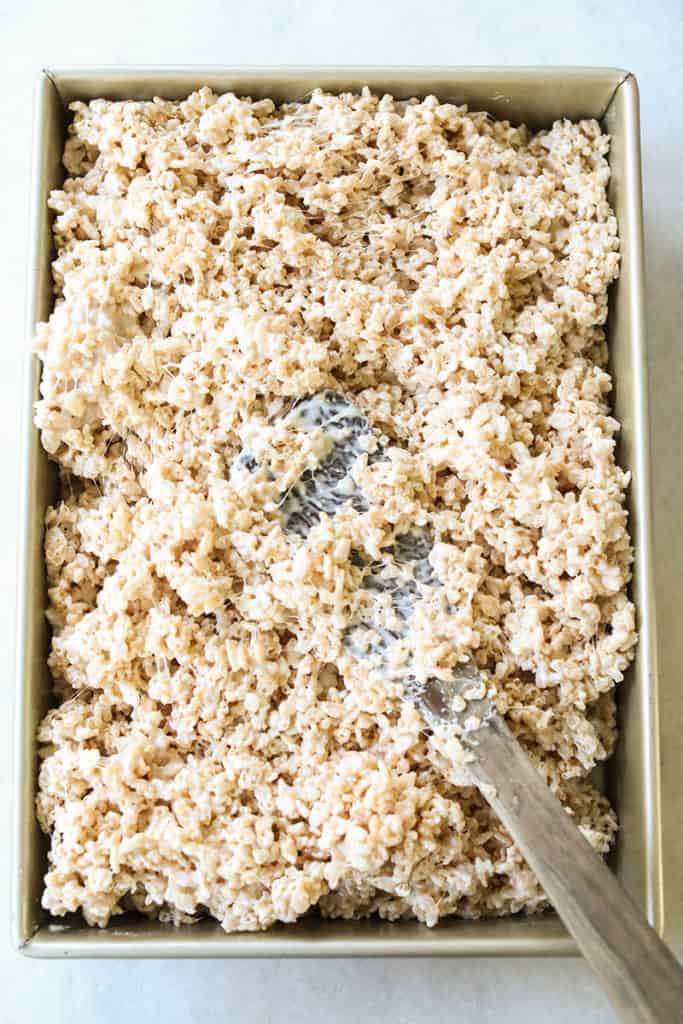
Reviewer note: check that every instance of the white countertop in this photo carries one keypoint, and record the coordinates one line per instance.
(645, 37)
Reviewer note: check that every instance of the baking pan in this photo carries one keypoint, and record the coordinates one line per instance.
(536, 96)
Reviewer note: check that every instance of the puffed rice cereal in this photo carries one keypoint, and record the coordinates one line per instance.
(212, 750)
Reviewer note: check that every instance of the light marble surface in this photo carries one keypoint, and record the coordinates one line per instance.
(645, 37)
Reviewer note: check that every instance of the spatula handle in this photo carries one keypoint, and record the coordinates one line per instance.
(639, 974)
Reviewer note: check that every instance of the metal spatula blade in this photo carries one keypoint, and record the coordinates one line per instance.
(392, 588)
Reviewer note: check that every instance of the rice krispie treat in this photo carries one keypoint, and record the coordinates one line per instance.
(212, 750)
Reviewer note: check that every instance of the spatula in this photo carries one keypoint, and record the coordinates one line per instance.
(639, 974)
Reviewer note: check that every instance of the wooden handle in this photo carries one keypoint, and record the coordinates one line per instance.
(639, 974)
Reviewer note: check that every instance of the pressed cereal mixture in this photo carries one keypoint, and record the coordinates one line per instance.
(213, 750)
